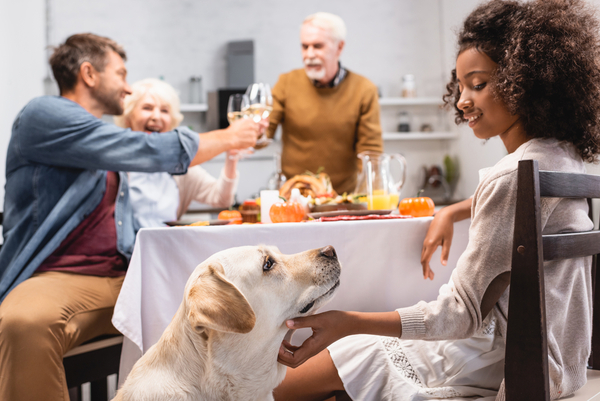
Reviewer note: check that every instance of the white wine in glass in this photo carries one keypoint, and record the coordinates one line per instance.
(260, 107)
(235, 115)
(236, 107)
(235, 111)
(258, 112)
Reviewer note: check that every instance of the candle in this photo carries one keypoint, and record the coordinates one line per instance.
(267, 199)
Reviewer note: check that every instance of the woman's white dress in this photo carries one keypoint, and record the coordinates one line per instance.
(392, 369)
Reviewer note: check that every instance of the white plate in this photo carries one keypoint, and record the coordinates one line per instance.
(334, 213)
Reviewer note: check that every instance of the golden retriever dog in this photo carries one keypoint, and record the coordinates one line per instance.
(222, 343)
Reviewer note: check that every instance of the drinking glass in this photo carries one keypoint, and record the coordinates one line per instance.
(259, 108)
(235, 107)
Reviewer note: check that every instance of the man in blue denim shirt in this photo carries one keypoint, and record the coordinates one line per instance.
(68, 230)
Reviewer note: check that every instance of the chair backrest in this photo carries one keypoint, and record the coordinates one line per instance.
(526, 362)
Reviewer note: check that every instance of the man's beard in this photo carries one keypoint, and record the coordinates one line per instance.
(315, 75)
(110, 100)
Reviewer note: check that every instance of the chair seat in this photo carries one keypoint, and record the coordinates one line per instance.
(591, 391)
(93, 362)
(94, 345)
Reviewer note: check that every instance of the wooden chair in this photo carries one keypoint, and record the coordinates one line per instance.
(526, 363)
(92, 362)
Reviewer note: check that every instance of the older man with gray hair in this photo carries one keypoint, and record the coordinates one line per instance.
(328, 114)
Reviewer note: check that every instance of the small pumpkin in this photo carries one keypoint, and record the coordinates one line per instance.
(233, 216)
(421, 206)
(285, 212)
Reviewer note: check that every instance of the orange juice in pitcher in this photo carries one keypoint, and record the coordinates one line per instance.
(381, 201)
(376, 181)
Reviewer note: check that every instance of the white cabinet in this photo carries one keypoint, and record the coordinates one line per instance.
(410, 101)
(194, 115)
(417, 136)
(193, 107)
(420, 110)
(421, 149)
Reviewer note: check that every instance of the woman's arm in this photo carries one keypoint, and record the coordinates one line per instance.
(198, 185)
(440, 233)
(231, 160)
(329, 327)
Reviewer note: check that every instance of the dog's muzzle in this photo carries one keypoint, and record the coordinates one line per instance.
(328, 275)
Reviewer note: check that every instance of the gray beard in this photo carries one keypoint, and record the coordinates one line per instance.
(315, 76)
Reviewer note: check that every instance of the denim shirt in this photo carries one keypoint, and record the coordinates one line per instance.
(56, 167)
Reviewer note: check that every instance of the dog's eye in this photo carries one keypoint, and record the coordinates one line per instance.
(268, 265)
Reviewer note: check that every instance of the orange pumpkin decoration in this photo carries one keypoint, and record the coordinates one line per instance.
(233, 216)
(417, 207)
(285, 212)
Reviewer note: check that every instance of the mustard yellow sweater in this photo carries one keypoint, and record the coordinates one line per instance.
(326, 127)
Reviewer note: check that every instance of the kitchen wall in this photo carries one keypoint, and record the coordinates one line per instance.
(178, 39)
(22, 65)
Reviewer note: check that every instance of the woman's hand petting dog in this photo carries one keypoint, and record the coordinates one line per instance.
(328, 327)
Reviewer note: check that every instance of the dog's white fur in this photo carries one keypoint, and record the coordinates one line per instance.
(223, 342)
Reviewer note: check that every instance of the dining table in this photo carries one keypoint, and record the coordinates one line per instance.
(380, 259)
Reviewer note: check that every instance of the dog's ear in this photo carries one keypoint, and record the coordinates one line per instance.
(215, 303)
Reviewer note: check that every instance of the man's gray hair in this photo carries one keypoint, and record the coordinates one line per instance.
(330, 22)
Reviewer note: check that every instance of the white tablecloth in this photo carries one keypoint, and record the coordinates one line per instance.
(381, 268)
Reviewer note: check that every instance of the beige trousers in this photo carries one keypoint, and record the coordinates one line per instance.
(43, 318)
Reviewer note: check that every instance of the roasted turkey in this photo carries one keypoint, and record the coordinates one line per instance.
(309, 184)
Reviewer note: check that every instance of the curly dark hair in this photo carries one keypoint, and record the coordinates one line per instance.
(548, 67)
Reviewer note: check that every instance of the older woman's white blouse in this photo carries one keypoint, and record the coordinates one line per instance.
(160, 197)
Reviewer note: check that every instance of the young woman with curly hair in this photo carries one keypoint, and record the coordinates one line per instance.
(527, 72)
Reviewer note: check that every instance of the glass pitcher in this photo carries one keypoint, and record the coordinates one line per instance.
(375, 184)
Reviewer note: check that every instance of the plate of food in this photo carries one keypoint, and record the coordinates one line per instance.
(335, 213)
(181, 223)
(321, 196)
(331, 207)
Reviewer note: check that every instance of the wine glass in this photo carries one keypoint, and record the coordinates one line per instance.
(235, 107)
(260, 107)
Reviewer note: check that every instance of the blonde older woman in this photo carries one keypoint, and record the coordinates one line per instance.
(153, 106)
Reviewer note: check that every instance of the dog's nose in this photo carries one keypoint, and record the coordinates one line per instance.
(329, 252)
